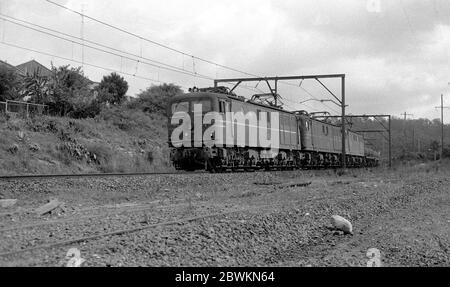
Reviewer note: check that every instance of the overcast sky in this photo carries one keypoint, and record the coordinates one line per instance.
(395, 54)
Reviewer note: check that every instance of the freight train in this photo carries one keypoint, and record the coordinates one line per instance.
(207, 138)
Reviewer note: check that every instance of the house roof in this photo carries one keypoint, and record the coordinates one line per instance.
(9, 66)
(32, 67)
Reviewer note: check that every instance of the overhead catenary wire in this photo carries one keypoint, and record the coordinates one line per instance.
(136, 59)
(197, 75)
(148, 40)
(85, 63)
(93, 42)
(160, 44)
(164, 66)
(310, 94)
(76, 61)
(303, 104)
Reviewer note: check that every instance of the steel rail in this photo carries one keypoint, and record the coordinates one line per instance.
(130, 230)
(154, 225)
(26, 176)
(77, 217)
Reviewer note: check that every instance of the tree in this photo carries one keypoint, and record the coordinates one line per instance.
(155, 98)
(112, 89)
(9, 84)
(35, 87)
(436, 122)
(68, 90)
(434, 146)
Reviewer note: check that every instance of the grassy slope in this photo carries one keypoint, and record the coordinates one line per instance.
(119, 140)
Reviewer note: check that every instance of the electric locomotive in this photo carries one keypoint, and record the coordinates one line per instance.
(207, 138)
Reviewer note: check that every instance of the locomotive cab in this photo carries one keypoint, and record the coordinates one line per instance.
(183, 114)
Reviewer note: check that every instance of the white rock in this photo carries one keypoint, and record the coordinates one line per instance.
(74, 256)
(54, 203)
(21, 135)
(341, 223)
(7, 202)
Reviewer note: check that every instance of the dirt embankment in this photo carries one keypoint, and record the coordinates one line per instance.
(128, 142)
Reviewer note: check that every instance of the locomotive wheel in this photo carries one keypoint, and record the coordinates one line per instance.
(212, 167)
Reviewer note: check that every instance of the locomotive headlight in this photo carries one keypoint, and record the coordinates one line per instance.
(213, 135)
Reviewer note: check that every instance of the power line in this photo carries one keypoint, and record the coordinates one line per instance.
(296, 103)
(174, 69)
(95, 43)
(102, 50)
(157, 43)
(306, 91)
(442, 123)
(82, 34)
(148, 40)
(106, 68)
(79, 62)
(166, 66)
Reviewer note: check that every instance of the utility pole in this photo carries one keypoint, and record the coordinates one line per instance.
(405, 146)
(405, 114)
(442, 123)
(343, 155)
(339, 102)
(390, 143)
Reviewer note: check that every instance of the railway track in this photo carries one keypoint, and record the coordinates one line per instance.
(123, 227)
(78, 217)
(79, 175)
(225, 171)
(122, 231)
(131, 230)
(75, 175)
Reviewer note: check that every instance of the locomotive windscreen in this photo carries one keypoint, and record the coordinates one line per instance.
(188, 106)
(180, 107)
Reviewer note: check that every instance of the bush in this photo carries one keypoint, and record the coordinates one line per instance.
(126, 118)
(85, 108)
(156, 98)
(35, 87)
(69, 93)
(112, 89)
(103, 154)
(9, 84)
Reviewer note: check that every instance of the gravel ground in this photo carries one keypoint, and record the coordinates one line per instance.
(257, 221)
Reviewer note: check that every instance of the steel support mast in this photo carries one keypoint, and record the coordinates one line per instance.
(274, 91)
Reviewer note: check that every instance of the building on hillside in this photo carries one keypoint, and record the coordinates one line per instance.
(34, 67)
(31, 67)
(9, 66)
